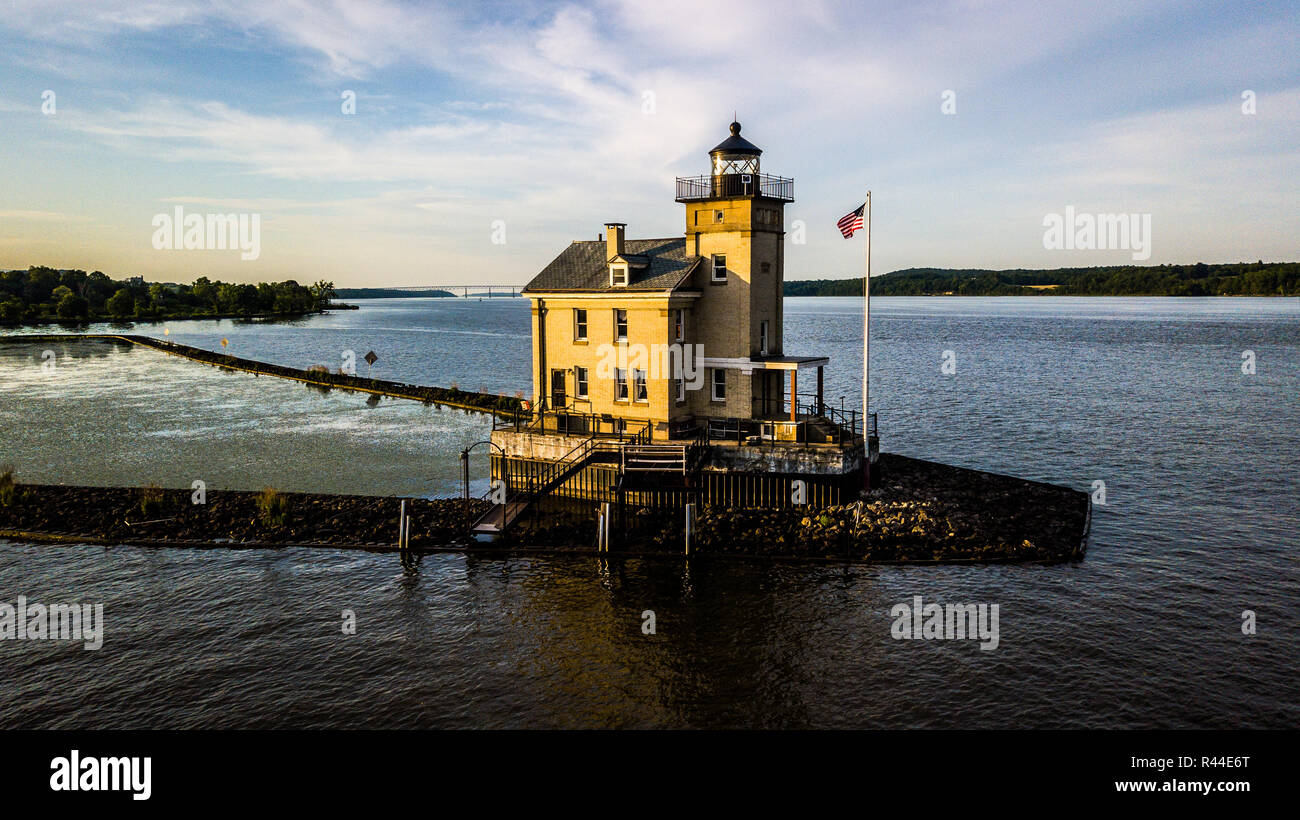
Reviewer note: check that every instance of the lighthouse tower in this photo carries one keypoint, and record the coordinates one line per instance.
(735, 221)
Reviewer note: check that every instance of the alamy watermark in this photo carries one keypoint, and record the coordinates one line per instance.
(937, 622)
(208, 232)
(1098, 232)
(23, 621)
(75, 773)
(656, 361)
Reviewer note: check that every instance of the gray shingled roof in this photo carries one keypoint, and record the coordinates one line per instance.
(584, 266)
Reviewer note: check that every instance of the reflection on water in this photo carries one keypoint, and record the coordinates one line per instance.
(1200, 462)
(109, 414)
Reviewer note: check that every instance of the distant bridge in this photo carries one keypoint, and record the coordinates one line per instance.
(466, 291)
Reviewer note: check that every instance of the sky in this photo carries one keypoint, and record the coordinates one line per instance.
(487, 136)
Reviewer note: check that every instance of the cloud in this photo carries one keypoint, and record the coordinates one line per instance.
(537, 116)
(45, 216)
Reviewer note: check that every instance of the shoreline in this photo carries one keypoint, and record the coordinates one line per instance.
(171, 317)
(924, 513)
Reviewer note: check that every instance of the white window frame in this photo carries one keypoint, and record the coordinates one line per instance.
(618, 276)
(640, 387)
(579, 324)
(623, 336)
(580, 382)
(620, 384)
(679, 324)
(719, 264)
(679, 388)
(714, 384)
(762, 337)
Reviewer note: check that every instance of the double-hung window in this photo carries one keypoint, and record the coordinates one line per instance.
(620, 325)
(719, 384)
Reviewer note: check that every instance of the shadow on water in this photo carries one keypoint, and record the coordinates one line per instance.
(693, 643)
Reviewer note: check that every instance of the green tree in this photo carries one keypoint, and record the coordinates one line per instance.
(204, 293)
(73, 306)
(120, 303)
(41, 282)
(97, 289)
(11, 311)
(323, 292)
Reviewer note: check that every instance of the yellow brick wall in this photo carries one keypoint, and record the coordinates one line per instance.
(725, 319)
(729, 315)
(649, 325)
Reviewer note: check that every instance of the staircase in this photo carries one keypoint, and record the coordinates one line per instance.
(635, 456)
(500, 516)
(821, 430)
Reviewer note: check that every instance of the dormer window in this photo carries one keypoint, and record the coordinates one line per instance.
(618, 275)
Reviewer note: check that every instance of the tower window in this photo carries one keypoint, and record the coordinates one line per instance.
(717, 216)
(762, 338)
(719, 267)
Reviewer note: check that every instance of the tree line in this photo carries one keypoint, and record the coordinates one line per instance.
(41, 294)
(1234, 279)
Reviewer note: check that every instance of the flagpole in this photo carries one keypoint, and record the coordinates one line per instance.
(866, 358)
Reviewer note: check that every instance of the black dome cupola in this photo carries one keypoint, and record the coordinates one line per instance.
(735, 154)
(734, 172)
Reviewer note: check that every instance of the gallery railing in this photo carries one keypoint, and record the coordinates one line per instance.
(724, 185)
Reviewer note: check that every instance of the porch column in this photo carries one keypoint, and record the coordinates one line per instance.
(794, 393)
(820, 403)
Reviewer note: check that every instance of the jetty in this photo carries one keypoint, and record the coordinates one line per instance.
(317, 376)
(927, 513)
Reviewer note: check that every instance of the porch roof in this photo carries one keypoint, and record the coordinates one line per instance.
(768, 363)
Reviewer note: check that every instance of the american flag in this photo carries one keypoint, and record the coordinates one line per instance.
(850, 223)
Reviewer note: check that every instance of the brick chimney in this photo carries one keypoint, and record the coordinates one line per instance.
(614, 239)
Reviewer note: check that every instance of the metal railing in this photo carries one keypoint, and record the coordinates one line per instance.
(725, 185)
(845, 424)
(565, 423)
(654, 458)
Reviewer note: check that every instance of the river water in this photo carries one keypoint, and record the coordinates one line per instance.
(1200, 464)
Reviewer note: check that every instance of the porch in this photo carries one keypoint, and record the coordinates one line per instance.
(808, 421)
